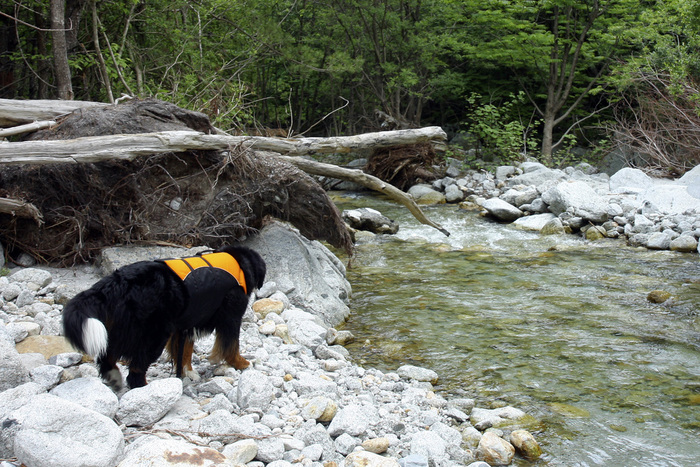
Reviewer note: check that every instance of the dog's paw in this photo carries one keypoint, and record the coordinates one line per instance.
(193, 375)
(240, 363)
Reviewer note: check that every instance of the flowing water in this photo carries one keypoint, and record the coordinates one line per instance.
(556, 326)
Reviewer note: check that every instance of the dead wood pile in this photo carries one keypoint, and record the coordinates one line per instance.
(403, 166)
(193, 197)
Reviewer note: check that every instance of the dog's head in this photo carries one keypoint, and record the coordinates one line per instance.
(252, 264)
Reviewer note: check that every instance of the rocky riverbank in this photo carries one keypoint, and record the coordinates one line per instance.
(654, 213)
(302, 401)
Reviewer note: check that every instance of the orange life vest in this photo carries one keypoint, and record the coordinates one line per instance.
(184, 266)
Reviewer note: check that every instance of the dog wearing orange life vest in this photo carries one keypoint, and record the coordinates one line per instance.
(141, 308)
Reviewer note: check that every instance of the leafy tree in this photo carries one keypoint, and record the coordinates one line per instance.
(559, 51)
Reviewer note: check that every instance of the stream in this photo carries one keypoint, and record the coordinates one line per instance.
(554, 325)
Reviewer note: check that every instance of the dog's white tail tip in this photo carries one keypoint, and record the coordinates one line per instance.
(94, 337)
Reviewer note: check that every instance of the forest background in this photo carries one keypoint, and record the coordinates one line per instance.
(556, 79)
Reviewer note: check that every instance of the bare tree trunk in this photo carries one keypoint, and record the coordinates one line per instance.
(60, 50)
(98, 51)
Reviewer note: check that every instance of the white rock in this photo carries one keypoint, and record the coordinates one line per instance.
(486, 418)
(47, 376)
(353, 420)
(684, 243)
(74, 433)
(34, 278)
(241, 452)
(629, 180)
(270, 449)
(577, 198)
(12, 372)
(91, 393)
(368, 459)
(502, 210)
(146, 405)
(309, 384)
(659, 241)
(170, 452)
(254, 390)
(307, 333)
(428, 444)
(535, 222)
(417, 373)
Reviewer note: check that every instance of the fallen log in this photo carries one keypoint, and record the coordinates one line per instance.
(17, 111)
(127, 147)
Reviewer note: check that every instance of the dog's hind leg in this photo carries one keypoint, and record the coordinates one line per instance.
(228, 350)
(110, 373)
(139, 363)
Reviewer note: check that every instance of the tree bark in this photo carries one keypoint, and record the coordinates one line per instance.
(60, 50)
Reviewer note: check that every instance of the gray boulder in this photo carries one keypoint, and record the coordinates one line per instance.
(684, 243)
(371, 220)
(34, 279)
(146, 405)
(453, 194)
(659, 241)
(91, 393)
(502, 210)
(12, 372)
(76, 436)
(535, 222)
(669, 198)
(537, 175)
(505, 171)
(629, 180)
(311, 276)
(577, 198)
(424, 194)
(691, 180)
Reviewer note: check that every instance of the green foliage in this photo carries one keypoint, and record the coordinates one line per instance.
(503, 133)
(327, 67)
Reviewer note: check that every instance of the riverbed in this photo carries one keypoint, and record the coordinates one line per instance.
(554, 325)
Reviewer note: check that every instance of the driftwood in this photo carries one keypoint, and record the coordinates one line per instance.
(127, 147)
(369, 181)
(17, 112)
(26, 128)
(17, 207)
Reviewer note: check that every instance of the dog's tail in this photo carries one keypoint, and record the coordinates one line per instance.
(84, 331)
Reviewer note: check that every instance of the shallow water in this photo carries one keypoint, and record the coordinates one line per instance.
(553, 325)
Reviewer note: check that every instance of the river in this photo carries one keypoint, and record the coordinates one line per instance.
(554, 325)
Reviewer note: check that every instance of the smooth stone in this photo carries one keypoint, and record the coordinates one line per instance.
(495, 450)
(525, 444)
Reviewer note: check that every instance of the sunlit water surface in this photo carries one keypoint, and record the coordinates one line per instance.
(553, 325)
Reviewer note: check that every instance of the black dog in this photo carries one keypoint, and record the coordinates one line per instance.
(136, 311)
